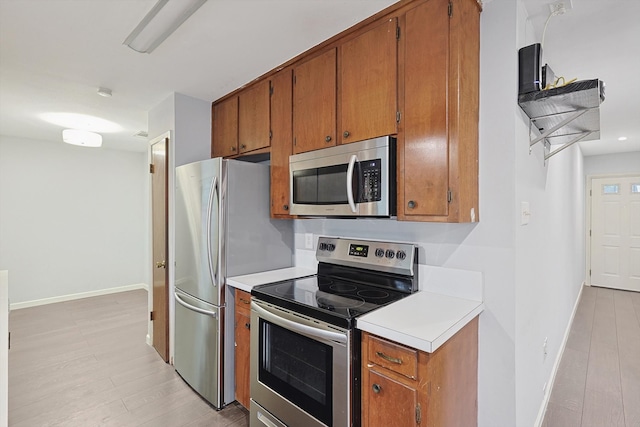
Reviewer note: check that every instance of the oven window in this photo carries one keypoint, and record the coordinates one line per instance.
(298, 368)
(321, 186)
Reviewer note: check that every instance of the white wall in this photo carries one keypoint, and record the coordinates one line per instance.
(612, 164)
(71, 218)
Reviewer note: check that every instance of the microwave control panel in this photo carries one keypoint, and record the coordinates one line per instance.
(371, 180)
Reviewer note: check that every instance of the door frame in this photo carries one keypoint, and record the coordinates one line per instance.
(170, 238)
(588, 202)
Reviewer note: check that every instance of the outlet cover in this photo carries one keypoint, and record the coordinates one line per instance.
(308, 240)
(525, 213)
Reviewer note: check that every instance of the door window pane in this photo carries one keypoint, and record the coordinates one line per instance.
(635, 188)
(610, 189)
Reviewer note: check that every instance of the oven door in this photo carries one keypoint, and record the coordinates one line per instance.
(300, 369)
(355, 179)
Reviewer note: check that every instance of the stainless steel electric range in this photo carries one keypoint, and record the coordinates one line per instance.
(305, 362)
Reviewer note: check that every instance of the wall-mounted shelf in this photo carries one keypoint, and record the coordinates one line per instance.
(565, 115)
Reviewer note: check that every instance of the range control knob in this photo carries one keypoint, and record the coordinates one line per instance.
(401, 255)
(322, 246)
(390, 254)
(379, 252)
(331, 247)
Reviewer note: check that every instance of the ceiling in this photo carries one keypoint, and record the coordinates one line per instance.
(55, 54)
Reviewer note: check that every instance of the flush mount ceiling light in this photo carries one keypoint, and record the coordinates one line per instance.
(622, 138)
(162, 20)
(82, 138)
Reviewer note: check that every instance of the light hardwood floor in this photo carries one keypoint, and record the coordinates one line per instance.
(86, 363)
(598, 380)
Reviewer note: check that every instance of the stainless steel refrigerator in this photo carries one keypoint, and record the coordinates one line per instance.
(222, 229)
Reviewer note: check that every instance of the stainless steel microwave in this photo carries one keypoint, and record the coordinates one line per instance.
(350, 180)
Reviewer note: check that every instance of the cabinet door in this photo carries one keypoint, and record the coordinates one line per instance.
(253, 117)
(389, 403)
(243, 333)
(314, 103)
(423, 172)
(281, 141)
(368, 84)
(225, 128)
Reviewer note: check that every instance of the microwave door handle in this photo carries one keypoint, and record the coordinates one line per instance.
(352, 163)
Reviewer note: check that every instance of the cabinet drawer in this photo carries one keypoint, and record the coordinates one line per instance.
(395, 357)
(243, 301)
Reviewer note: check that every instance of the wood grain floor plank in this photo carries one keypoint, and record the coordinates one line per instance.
(86, 363)
(570, 382)
(602, 409)
(611, 395)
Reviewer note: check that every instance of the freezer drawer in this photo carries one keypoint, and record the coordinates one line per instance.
(197, 343)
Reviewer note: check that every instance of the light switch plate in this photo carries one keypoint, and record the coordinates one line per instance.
(525, 213)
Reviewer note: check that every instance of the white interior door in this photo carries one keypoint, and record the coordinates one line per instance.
(615, 232)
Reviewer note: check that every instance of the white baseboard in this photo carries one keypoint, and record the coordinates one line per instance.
(71, 297)
(554, 370)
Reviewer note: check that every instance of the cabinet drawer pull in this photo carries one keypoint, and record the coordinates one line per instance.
(411, 204)
(376, 388)
(389, 358)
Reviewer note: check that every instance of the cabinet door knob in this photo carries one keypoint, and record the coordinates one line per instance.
(242, 147)
(327, 138)
(346, 134)
(247, 325)
(411, 204)
(285, 207)
(376, 388)
(233, 148)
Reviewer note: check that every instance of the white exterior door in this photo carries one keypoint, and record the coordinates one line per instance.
(615, 232)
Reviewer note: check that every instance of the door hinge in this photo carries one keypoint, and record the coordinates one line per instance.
(418, 414)
(591, 192)
(270, 134)
(449, 196)
(151, 316)
(398, 116)
(151, 168)
(589, 233)
(589, 272)
(294, 79)
(450, 9)
(397, 32)
(294, 140)
(270, 88)
(9, 340)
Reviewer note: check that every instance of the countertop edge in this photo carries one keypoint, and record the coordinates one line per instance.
(418, 342)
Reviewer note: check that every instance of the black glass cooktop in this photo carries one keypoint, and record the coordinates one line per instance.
(329, 299)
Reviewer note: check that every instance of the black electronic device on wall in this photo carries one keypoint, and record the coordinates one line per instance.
(529, 68)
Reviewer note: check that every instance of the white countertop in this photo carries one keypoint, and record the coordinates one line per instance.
(424, 320)
(248, 281)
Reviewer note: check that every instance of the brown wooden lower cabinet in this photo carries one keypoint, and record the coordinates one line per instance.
(242, 353)
(404, 387)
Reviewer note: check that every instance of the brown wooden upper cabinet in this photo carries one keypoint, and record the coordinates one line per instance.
(368, 73)
(438, 144)
(314, 103)
(281, 141)
(225, 128)
(241, 124)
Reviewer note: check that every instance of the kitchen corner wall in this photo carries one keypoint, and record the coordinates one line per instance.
(72, 219)
(532, 273)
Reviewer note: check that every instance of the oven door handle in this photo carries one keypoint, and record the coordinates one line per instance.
(352, 163)
(297, 327)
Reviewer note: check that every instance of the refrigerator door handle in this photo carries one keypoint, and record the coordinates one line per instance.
(214, 189)
(193, 307)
